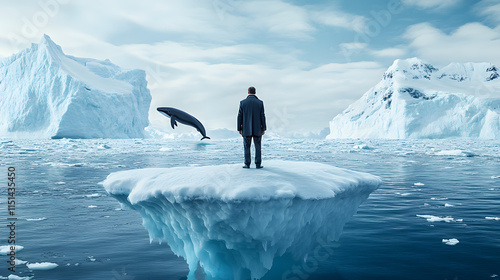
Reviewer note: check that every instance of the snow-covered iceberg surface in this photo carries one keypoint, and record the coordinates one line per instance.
(47, 94)
(416, 100)
(235, 222)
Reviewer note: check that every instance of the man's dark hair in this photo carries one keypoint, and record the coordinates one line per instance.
(251, 90)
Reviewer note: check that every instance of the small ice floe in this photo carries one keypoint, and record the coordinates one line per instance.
(103, 147)
(403, 194)
(19, 262)
(451, 242)
(91, 258)
(93, 195)
(493, 275)
(439, 198)
(492, 218)
(59, 183)
(15, 277)
(448, 205)
(166, 149)
(431, 218)
(37, 219)
(455, 153)
(41, 266)
(4, 250)
(92, 206)
(362, 147)
(495, 177)
(418, 184)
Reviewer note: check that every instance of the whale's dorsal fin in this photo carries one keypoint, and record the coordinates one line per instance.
(173, 122)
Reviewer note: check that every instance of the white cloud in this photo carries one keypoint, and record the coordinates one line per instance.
(337, 18)
(490, 9)
(472, 42)
(398, 52)
(431, 4)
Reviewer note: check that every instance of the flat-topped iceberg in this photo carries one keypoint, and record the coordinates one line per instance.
(235, 222)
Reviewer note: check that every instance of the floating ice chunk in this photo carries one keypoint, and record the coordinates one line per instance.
(455, 153)
(103, 147)
(91, 258)
(15, 277)
(448, 205)
(37, 219)
(439, 198)
(59, 183)
(166, 149)
(432, 219)
(418, 184)
(18, 262)
(362, 147)
(495, 177)
(93, 195)
(492, 218)
(234, 222)
(92, 206)
(41, 266)
(4, 250)
(451, 242)
(403, 194)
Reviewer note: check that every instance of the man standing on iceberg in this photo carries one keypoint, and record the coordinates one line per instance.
(252, 125)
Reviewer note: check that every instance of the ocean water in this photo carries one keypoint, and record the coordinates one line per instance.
(432, 190)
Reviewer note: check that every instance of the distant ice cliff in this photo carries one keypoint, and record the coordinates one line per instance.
(416, 100)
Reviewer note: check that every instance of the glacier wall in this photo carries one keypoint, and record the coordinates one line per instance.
(233, 222)
(417, 100)
(47, 94)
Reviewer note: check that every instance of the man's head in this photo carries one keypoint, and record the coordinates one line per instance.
(251, 90)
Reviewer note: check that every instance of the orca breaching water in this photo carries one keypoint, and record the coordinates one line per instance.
(184, 118)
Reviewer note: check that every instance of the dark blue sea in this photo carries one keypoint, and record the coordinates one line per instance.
(434, 193)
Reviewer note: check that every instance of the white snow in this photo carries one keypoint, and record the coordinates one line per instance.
(416, 100)
(451, 242)
(47, 94)
(234, 222)
(41, 266)
(4, 250)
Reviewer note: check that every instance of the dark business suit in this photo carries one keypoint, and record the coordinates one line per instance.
(252, 122)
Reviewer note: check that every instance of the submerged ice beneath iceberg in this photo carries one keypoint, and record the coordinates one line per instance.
(235, 222)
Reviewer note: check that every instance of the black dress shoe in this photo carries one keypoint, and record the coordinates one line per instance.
(246, 166)
(259, 166)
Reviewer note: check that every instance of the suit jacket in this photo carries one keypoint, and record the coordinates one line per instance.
(251, 117)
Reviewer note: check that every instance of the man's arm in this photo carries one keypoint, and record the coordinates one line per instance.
(263, 119)
(240, 120)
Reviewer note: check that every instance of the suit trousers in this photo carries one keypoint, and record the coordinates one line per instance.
(247, 142)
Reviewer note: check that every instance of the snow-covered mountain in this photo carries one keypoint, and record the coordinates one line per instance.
(47, 94)
(417, 100)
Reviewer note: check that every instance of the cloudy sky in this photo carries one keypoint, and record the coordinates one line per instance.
(308, 59)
